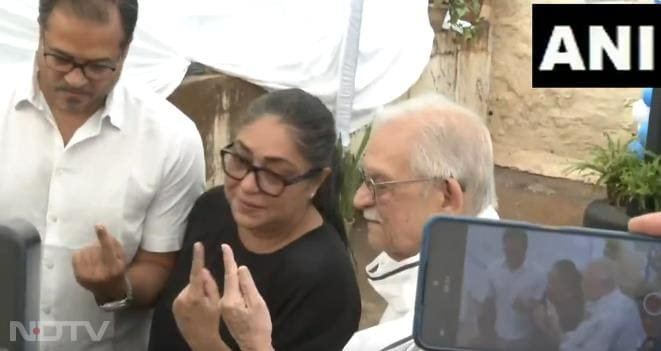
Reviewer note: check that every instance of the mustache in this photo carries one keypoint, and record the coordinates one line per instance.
(371, 214)
(71, 90)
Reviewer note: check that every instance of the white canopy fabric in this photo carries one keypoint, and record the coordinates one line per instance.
(273, 43)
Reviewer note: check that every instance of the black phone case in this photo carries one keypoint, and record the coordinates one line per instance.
(424, 256)
(20, 257)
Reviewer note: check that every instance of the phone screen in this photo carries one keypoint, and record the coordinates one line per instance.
(507, 287)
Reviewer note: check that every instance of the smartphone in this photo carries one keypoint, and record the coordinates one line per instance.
(20, 258)
(504, 285)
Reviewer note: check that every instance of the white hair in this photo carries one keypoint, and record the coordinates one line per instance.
(451, 142)
(604, 270)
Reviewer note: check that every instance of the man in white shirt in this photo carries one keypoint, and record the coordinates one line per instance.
(612, 320)
(425, 156)
(105, 170)
(513, 284)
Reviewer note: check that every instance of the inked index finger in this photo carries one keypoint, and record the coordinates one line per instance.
(109, 245)
(105, 239)
(231, 286)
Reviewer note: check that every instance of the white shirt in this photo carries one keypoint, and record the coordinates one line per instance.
(505, 286)
(136, 166)
(612, 324)
(396, 282)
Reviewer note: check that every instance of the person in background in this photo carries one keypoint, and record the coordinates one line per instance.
(564, 303)
(515, 285)
(105, 169)
(630, 264)
(279, 211)
(612, 321)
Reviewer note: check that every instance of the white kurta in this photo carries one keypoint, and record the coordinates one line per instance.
(612, 324)
(527, 282)
(396, 282)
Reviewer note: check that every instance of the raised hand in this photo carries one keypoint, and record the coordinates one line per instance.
(197, 309)
(540, 317)
(101, 268)
(244, 310)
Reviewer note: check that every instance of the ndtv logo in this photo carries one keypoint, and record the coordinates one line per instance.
(55, 330)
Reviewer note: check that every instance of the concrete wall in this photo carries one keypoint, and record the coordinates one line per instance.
(536, 130)
(541, 130)
(214, 102)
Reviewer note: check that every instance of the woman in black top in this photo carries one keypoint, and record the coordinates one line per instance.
(564, 294)
(279, 212)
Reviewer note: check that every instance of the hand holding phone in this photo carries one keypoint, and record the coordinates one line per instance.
(545, 288)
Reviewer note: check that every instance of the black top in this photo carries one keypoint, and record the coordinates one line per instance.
(571, 313)
(309, 286)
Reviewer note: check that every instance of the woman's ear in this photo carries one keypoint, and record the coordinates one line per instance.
(325, 173)
(453, 199)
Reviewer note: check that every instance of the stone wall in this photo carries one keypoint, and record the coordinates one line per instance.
(542, 130)
(214, 102)
(536, 130)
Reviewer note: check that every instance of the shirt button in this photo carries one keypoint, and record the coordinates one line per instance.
(49, 265)
(53, 218)
(46, 309)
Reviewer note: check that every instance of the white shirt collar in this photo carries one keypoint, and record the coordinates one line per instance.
(604, 302)
(396, 281)
(521, 268)
(28, 92)
(489, 213)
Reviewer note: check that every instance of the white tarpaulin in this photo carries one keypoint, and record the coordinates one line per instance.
(272, 43)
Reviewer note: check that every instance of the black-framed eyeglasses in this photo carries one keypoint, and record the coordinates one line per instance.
(63, 64)
(268, 181)
(373, 186)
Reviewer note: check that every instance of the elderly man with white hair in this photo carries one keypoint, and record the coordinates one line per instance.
(613, 321)
(425, 156)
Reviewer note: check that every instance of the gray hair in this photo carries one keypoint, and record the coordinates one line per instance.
(451, 142)
(604, 270)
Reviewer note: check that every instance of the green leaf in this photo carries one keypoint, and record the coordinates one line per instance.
(351, 180)
(625, 176)
(462, 11)
(475, 6)
(363, 143)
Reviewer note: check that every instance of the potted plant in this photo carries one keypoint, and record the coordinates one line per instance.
(351, 179)
(633, 185)
(641, 186)
(607, 165)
